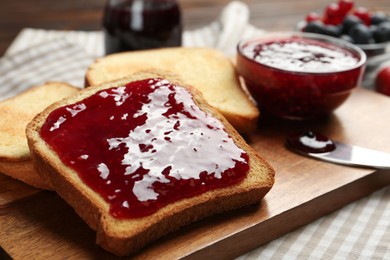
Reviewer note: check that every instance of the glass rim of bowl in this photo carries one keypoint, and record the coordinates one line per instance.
(314, 36)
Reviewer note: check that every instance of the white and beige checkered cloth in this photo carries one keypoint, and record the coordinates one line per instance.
(360, 230)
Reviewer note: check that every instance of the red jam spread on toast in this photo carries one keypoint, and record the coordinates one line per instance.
(144, 145)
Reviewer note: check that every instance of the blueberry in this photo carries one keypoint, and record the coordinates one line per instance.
(360, 34)
(373, 28)
(320, 28)
(382, 33)
(379, 17)
(349, 22)
(314, 27)
(332, 30)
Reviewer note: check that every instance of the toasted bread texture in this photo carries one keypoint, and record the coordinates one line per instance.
(206, 69)
(15, 114)
(127, 236)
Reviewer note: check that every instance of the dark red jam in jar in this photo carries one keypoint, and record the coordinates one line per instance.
(310, 142)
(302, 55)
(141, 24)
(144, 145)
(299, 77)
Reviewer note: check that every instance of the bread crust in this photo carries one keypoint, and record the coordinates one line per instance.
(16, 113)
(127, 236)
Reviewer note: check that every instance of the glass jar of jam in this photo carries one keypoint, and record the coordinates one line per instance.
(141, 24)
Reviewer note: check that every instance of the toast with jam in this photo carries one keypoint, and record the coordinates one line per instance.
(140, 157)
(206, 69)
(15, 114)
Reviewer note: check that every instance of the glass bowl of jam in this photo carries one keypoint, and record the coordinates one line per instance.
(297, 75)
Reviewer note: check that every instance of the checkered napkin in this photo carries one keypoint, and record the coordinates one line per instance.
(360, 230)
(56, 60)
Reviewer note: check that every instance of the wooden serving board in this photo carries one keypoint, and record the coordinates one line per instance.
(38, 224)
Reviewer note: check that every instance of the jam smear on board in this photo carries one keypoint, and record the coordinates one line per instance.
(144, 145)
(310, 142)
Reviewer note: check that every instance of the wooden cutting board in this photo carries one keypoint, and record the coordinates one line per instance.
(38, 224)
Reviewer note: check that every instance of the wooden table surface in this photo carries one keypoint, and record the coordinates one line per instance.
(86, 14)
(356, 122)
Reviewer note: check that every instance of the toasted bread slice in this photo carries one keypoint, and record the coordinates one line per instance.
(206, 69)
(126, 235)
(15, 114)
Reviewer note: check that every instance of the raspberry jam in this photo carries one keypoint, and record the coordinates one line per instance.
(141, 24)
(299, 77)
(144, 145)
(301, 55)
(310, 142)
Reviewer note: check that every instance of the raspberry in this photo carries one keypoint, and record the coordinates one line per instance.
(382, 82)
(332, 14)
(345, 6)
(313, 16)
(363, 14)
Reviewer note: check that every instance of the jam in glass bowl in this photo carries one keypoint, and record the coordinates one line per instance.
(297, 75)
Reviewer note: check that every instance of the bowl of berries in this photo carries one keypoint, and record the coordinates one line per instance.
(299, 76)
(369, 30)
